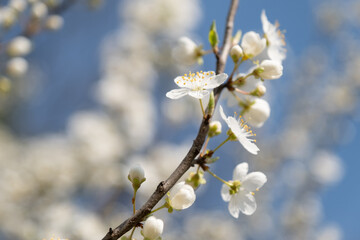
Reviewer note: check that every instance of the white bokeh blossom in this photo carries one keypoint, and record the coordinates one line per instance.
(186, 51)
(241, 131)
(241, 193)
(197, 84)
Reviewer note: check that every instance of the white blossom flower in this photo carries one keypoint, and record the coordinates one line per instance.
(196, 84)
(326, 167)
(241, 131)
(19, 46)
(258, 112)
(275, 39)
(153, 228)
(39, 10)
(181, 196)
(241, 196)
(252, 44)
(186, 51)
(269, 69)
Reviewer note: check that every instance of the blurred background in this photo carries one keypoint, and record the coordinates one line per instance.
(82, 98)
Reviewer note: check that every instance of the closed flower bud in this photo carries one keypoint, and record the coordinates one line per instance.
(54, 22)
(186, 51)
(236, 53)
(214, 128)
(153, 228)
(252, 44)
(257, 113)
(181, 196)
(16, 67)
(19, 46)
(39, 10)
(269, 69)
(136, 176)
(259, 91)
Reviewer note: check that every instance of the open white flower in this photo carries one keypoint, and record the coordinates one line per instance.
(275, 39)
(241, 131)
(153, 228)
(241, 193)
(258, 112)
(181, 196)
(196, 84)
(252, 44)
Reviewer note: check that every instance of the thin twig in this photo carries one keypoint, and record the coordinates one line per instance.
(195, 149)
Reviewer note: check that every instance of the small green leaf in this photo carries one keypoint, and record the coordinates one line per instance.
(213, 36)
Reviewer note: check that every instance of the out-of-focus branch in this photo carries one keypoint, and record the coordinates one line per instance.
(188, 161)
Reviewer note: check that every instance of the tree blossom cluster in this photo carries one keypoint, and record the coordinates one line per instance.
(92, 158)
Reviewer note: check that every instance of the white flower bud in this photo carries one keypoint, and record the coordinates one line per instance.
(39, 10)
(54, 22)
(214, 128)
(181, 196)
(153, 228)
(186, 51)
(16, 67)
(261, 89)
(136, 172)
(236, 53)
(18, 5)
(19, 46)
(252, 44)
(257, 113)
(269, 69)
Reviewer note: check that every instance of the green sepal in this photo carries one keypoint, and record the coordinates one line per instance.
(212, 160)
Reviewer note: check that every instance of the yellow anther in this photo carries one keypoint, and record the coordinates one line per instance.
(185, 74)
(252, 193)
(184, 83)
(205, 84)
(201, 71)
(254, 140)
(212, 72)
(254, 134)
(207, 74)
(257, 190)
(202, 77)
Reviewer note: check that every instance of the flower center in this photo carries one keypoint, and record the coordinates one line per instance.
(196, 81)
(235, 187)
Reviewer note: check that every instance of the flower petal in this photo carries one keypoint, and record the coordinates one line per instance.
(234, 206)
(254, 181)
(223, 116)
(225, 193)
(246, 203)
(177, 93)
(240, 171)
(182, 82)
(248, 144)
(216, 81)
(199, 94)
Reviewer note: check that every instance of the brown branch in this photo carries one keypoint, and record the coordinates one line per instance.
(188, 161)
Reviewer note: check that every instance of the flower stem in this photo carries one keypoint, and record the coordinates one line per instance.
(133, 200)
(157, 209)
(132, 233)
(205, 146)
(221, 144)
(202, 108)
(218, 178)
